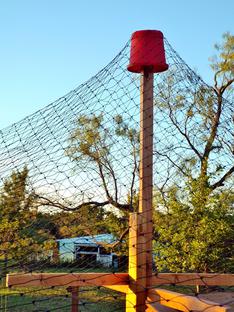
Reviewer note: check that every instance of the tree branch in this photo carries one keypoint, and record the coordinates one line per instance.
(133, 174)
(184, 134)
(49, 202)
(223, 179)
(112, 173)
(213, 132)
(111, 201)
(171, 161)
(224, 87)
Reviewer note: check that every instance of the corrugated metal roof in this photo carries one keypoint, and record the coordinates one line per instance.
(89, 240)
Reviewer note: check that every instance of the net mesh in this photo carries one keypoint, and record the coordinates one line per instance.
(70, 177)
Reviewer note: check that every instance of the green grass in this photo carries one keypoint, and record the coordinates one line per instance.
(58, 299)
(27, 303)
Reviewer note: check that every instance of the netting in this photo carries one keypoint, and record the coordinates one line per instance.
(70, 178)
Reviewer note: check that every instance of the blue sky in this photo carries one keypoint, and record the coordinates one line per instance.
(49, 47)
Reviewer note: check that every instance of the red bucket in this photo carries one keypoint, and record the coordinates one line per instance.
(147, 52)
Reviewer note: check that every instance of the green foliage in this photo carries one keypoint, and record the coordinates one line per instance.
(194, 219)
(93, 140)
(223, 63)
(89, 139)
(19, 238)
(195, 233)
(80, 222)
(90, 221)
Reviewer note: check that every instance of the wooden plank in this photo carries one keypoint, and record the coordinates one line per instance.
(152, 299)
(222, 297)
(153, 304)
(121, 288)
(157, 307)
(202, 279)
(183, 302)
(66, 279)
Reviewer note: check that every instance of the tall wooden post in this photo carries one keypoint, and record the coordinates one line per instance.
(140, 234)
(146, 172)
(147, 57)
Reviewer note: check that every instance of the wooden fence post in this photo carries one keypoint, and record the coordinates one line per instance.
(75, 298)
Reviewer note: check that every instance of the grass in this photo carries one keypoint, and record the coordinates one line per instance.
(58, 299)
(49, 304)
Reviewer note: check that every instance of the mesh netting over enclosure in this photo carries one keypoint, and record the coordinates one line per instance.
(70, 178)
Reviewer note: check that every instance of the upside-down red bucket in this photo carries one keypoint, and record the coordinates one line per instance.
(147, 52)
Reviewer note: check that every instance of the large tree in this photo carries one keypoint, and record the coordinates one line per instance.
(100, 166)
(195, 213)
(94, 143)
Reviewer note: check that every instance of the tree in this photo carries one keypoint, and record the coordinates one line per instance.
(79, 222)
(92, 145)
(191, 237)
(90, 221)
(92, 142)
(194, 230)
(20, 239)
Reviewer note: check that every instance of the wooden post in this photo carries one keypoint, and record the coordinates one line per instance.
(145, 225)
(75, 298)
(131, 296)
(141, 226)
(146, 172)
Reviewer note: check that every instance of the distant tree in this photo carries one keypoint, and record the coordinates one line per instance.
(93, 144)
(20, 240)
(78, 222)
(89, 221)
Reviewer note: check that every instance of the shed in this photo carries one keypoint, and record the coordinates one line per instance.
(87, 249)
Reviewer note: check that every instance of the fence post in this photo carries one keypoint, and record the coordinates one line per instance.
(140, 224)
(75, 298)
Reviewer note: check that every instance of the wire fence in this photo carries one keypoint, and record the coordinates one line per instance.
(70, 179)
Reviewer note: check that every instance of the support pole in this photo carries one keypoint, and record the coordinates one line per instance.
(141, 226)
(146, 172)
